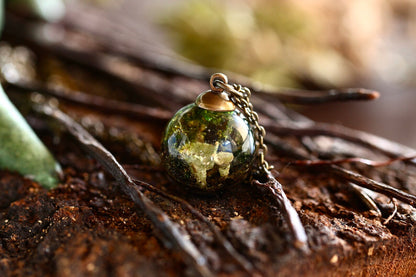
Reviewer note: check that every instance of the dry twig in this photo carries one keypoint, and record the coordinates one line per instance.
(291, 216)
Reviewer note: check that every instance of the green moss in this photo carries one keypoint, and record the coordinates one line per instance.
(207, 149)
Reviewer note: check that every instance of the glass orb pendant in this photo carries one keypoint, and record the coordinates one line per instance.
(209, 144)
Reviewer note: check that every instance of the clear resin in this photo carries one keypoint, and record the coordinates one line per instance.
(207, 149)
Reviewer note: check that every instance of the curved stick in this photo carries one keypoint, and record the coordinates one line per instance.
(289, 213)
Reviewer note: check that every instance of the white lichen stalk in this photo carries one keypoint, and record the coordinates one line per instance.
(202, 157)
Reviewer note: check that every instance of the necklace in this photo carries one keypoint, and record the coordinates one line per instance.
(216, 141)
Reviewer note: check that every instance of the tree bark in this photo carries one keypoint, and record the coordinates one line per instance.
(92, 225)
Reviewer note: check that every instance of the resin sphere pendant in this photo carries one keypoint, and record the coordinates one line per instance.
(208, 144)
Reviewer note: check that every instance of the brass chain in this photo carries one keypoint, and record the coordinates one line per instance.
(240, 96)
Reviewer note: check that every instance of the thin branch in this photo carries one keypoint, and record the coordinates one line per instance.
(374, 185)
(170, 233)
(289, 213)
(99, 103)
(308, 97)
(347, 161)
(367, 199)
(393, 213)
(387, 147)
(142, 167)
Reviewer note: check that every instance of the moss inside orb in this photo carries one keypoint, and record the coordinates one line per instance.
(208, 149)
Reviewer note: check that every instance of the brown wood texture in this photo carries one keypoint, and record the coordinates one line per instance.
(89, 226)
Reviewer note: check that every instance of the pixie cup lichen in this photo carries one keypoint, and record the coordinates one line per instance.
(206, 149)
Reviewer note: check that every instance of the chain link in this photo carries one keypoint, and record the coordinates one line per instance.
(240, 96)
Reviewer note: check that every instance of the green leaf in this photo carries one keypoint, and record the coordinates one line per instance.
(21, 150)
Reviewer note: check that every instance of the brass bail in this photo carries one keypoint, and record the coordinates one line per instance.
(215, 99)
(217, 77)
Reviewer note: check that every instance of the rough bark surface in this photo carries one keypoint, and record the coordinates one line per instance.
(88, 227)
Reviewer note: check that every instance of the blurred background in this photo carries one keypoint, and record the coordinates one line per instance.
(315, 44)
